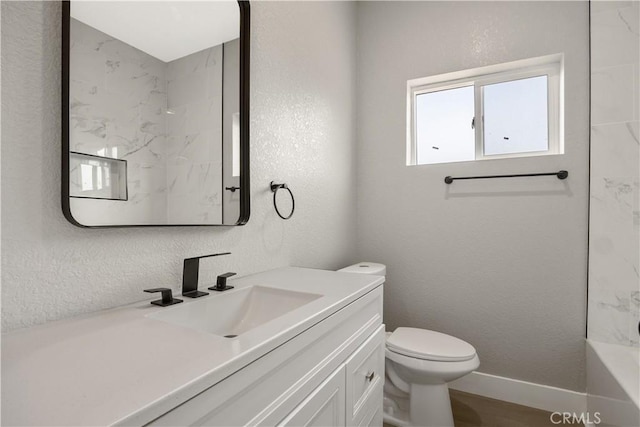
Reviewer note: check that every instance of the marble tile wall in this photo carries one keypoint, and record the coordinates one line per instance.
(169, 130)
(118, 98)
(194, 144)
(614, 228)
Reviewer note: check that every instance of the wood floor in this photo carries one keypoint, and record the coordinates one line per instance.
(470, 410)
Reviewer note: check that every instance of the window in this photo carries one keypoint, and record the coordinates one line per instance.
(501, 111)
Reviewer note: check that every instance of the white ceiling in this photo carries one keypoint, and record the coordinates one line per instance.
(167, 30)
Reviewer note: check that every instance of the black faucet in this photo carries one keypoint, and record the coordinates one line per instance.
(190, 276)
(221, 282)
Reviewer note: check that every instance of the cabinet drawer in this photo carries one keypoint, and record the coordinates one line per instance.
(365, 378)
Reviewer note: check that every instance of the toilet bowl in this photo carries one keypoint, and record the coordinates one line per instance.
(419, 364)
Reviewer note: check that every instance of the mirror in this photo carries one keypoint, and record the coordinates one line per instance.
(155, 106)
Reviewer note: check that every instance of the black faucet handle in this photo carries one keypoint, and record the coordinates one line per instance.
(167, 297)
(221, 282)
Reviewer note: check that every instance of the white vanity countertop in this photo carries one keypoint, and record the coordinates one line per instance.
(121, 367)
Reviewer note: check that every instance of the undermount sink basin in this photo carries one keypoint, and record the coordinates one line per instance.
(235, 312)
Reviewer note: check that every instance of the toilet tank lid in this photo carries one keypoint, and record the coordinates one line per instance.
(429, 345)
(366, 268)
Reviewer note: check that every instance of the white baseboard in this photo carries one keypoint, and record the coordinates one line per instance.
(534, 395)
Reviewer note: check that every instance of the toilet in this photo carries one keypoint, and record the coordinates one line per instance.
(419, 364)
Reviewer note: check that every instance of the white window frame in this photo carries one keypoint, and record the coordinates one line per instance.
(551, 66)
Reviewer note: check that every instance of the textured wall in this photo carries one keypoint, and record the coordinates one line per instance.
(302, 132)
(614, 238)
(499, 263)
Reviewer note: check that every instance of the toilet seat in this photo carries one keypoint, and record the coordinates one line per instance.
(424, 344)
(431, 371)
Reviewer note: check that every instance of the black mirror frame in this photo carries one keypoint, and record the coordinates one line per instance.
(245, 187)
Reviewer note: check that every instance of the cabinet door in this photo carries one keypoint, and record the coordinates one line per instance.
(325, 406)
(374, 419)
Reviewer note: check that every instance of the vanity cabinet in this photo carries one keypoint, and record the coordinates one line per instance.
(331, 374)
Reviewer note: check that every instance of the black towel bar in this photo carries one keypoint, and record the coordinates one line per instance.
(560, 174)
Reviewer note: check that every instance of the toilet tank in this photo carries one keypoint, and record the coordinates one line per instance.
(366, 268)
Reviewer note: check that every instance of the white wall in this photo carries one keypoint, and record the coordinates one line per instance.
(302, 94)
(499, 263)
(614, 221)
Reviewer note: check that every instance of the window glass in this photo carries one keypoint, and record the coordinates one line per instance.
(515, 116)
(444, 131)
